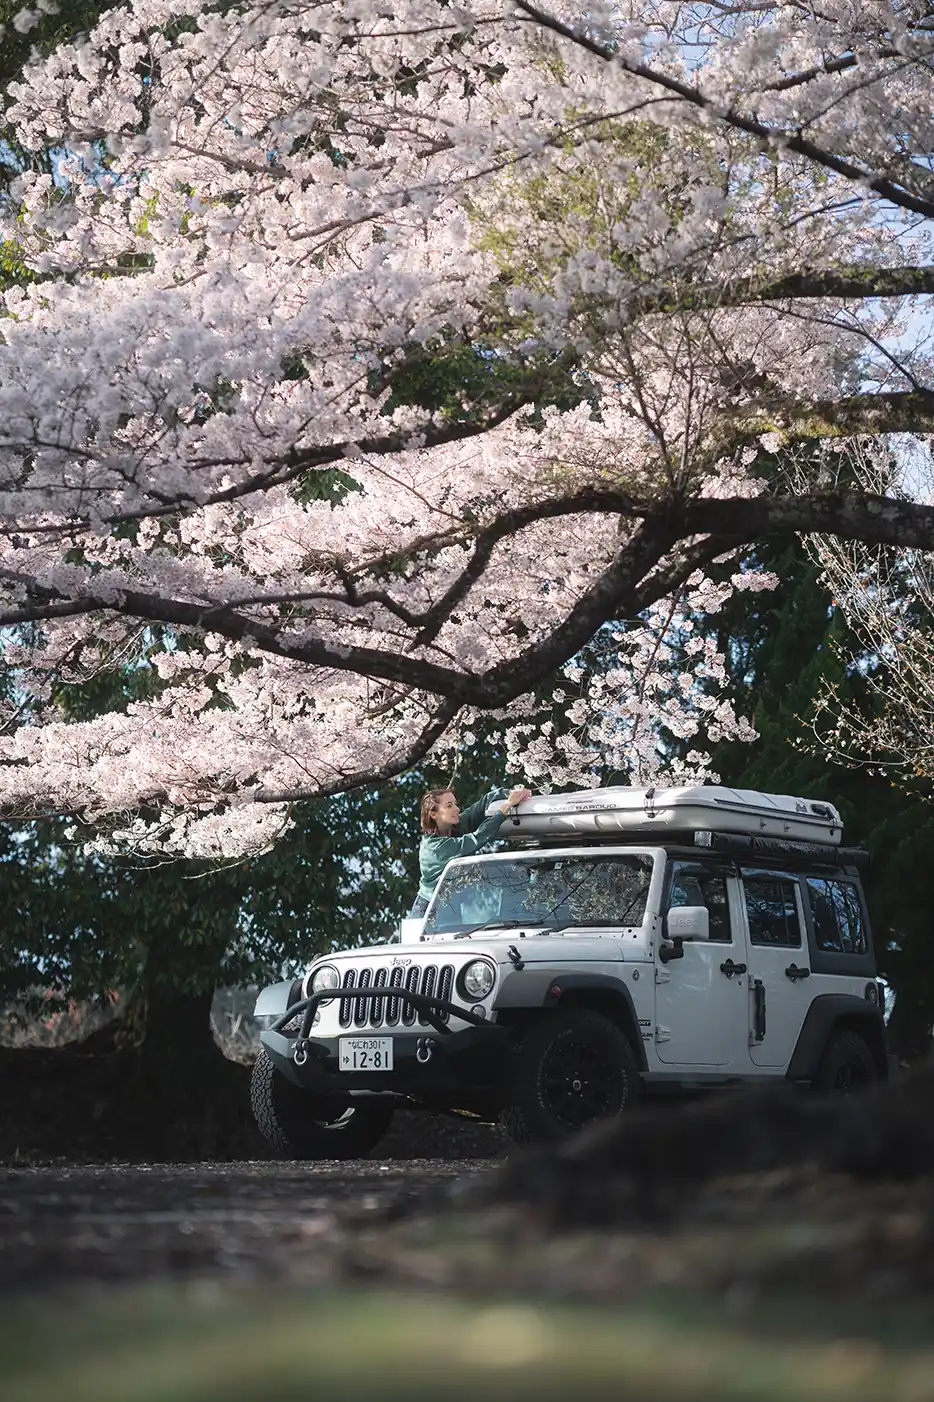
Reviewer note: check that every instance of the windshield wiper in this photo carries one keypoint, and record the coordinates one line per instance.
(487, 925)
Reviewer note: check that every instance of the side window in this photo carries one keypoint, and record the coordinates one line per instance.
(694, 884)
(772, 911)
(837, 916)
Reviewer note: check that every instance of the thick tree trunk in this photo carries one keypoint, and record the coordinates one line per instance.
(167, 1017)
(157, 1084)
(177, 1027)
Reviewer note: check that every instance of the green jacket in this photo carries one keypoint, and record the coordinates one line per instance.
(472, 833)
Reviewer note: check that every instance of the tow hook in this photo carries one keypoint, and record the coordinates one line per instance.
(300, 1053)
(424, 1051)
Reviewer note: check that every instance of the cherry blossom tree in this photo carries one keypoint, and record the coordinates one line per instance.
(887, 599)
(632, 244)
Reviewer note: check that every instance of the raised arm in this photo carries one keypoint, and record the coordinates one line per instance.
(445, 849)
(473, 817)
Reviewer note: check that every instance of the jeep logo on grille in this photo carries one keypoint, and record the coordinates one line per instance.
(398, 963)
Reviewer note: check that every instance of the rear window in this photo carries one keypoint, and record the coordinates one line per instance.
(837, 916)
(772, 911)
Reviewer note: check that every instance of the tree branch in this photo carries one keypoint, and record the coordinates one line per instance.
(851, 515)
(630, 584)
(38, 613)
(379, 773)
(285, 469)
(840, 283)
(768, 137)
(510, 523)
(900, 411)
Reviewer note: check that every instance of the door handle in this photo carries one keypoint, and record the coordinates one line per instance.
(729, 968)
(794, 973)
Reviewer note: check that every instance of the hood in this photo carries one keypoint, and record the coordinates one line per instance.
(534, 949)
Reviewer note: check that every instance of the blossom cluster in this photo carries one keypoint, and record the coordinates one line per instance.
(364, 352)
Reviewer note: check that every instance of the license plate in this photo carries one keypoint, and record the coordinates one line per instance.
(365, 1054)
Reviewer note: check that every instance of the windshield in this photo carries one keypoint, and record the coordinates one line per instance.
(553, 891)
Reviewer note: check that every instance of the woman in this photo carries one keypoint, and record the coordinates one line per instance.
(447, 833)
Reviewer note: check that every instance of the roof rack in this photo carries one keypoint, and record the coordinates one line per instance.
(737, 846)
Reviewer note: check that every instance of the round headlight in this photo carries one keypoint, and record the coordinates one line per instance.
(325, 978)
(478, 978)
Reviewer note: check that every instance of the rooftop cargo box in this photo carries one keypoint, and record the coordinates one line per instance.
(660, 811)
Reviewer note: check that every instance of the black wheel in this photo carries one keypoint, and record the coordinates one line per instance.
(847, 1065)
(299, 1125)
(570, 1069)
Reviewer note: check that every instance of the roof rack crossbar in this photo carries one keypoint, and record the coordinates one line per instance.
(724, 844)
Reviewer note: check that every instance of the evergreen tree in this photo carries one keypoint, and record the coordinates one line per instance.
(77, 926)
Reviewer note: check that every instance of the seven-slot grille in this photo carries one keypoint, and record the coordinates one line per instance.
(378, 1012)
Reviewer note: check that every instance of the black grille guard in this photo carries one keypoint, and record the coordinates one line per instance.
(421, 1002)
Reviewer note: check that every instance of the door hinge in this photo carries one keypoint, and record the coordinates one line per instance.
(662, 976)
(663, 1034)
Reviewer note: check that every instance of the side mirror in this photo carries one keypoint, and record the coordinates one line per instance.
(411, 929)
(688, 922)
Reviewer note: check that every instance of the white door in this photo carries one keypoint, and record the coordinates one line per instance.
(779, 964)
(701, 1000)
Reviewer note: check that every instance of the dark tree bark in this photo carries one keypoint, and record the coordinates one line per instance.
(177, 990)
(154, 1081)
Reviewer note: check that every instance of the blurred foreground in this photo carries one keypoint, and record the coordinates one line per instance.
(201, 1342)
(252, 1282)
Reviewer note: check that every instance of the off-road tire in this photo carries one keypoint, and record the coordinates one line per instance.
(539, 1110)
(847, 1065)
(300, 1125)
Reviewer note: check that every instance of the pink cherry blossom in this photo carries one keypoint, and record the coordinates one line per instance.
(679, 238)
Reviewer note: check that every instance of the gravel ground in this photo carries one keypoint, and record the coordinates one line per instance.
(280, 1222)
(445, 1224)
(413, 1280)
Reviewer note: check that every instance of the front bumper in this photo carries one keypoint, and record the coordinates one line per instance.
(424, 1065)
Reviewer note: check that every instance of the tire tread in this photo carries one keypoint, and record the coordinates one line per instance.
(840, 1044)
(520, 1116)
(277, 1110)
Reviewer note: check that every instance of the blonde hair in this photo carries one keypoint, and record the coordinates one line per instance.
(429, 805)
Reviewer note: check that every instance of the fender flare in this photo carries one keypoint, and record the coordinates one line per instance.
(548, 991)
(277, 998)
(824, 1015)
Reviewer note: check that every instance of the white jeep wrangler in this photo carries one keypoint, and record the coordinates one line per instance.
(626, 943)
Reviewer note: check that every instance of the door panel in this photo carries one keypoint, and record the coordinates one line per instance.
(701, 1012)
(778, 958)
